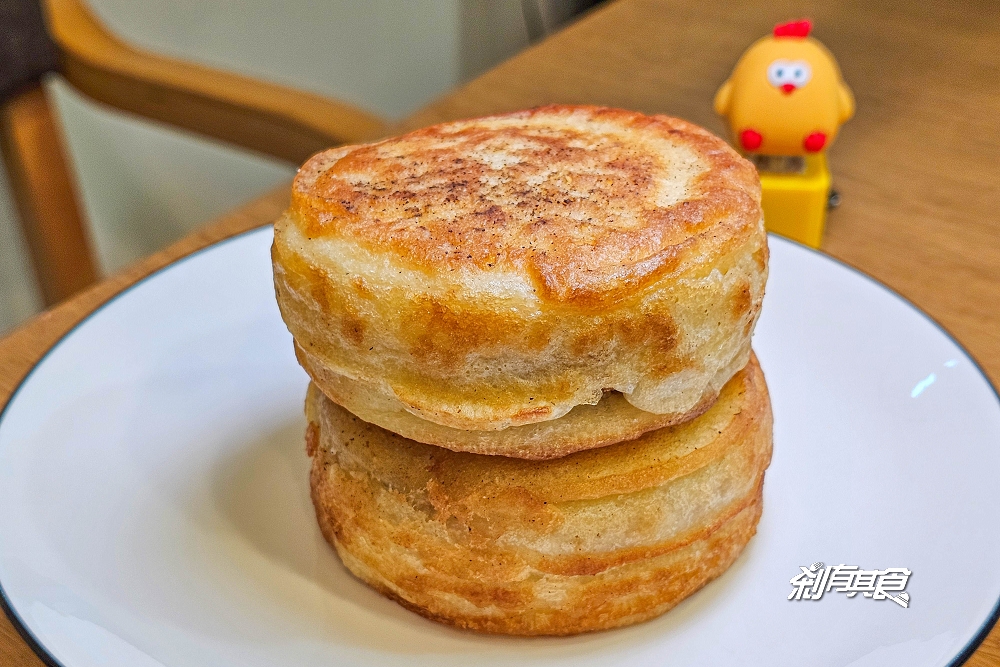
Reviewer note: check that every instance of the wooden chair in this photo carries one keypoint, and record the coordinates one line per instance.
(65, 37)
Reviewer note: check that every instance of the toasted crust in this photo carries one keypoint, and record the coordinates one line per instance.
(594, 540)
(591, 203)
(500, 271)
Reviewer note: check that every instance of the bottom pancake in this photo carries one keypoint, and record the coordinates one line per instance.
(594, 540)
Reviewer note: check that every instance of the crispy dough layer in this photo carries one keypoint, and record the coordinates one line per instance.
(500, 271)
(594, 540)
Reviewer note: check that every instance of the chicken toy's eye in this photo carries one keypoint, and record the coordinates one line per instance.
(777, 73)
(801, 73)
(783, 72)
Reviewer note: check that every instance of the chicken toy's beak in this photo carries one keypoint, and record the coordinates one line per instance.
(788, 88)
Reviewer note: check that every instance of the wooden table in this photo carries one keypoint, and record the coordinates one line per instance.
(918, 168)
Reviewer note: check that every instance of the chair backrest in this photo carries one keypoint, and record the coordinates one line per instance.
(264, 117)
(36, 164)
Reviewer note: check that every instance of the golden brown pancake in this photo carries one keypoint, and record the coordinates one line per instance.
(501, 271)
(594, 540)
(613, 419)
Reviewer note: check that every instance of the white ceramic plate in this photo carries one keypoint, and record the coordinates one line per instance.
(154, 507)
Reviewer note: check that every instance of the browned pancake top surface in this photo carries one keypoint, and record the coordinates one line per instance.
(585, 202)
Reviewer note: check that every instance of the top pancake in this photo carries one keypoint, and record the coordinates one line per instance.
(581, 204)
(501, 270)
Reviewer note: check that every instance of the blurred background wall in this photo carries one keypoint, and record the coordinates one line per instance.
(144, 185)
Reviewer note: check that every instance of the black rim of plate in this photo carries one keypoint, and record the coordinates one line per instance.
(51, 661)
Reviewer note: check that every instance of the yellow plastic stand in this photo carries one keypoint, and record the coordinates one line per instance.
(795, 204)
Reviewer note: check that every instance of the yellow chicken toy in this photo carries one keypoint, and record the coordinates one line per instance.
(784, 103)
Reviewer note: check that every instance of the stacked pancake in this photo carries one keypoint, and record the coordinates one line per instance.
(534, 408)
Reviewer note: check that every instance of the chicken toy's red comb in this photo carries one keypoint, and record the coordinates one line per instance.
(793, 29)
